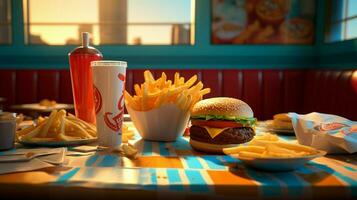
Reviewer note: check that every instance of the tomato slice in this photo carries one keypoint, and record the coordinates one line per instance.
(215, 123)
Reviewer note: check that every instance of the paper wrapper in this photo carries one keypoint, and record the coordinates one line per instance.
(330, 133)
(46, 157)
(165, 123)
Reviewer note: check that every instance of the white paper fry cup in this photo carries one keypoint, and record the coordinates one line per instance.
(165, 123)
(109, 86)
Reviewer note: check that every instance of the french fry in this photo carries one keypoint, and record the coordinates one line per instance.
(267, 136)
(181, 81)
(272, 148)
(82, 133)
(129, 151)
(61, 135)
(162, 98)
(47, 125)
(234, 150)
(168, 84)
(144, 101)
(148, 76)
(89, 125)
(25, 131)
(162, 80)
(137, 90)
(248, 154)
(92, 132)
(191, 81)
(127, 134)
(55, 126)
(176, 79)
(32, 133)
(296, 147)
(270, 154)
(68, 138)
(40, 119)
(180, 101)
(124, 139)
(205, 91)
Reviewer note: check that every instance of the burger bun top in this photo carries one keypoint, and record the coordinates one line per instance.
(222, 106)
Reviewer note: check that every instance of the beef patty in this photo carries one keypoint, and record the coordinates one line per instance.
(228, 136)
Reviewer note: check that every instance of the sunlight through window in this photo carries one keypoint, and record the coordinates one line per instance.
(134, 22)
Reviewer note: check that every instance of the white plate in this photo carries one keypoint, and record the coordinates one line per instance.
(58, 143)
(37, 107)
(278, 164)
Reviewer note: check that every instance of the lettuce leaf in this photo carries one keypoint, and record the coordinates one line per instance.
(245, 121)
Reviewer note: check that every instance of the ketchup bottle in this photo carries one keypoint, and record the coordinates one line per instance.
(82, 78)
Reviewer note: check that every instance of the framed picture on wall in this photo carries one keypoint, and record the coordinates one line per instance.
(263, 22)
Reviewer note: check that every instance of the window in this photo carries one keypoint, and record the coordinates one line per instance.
(133, 22)
(341, 19)
(5, 22)
(242, 22)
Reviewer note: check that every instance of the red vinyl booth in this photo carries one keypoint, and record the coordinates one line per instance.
(266, 91)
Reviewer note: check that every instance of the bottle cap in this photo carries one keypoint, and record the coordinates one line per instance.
(85, 39)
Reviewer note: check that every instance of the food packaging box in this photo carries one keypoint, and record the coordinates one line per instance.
(165, 123)
(331, 133)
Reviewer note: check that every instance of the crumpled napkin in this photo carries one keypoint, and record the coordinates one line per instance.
(19, 160)
(331, 133)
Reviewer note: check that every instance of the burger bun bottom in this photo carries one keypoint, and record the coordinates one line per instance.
(209, 148)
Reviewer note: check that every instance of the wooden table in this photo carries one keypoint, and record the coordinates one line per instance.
(176, 170)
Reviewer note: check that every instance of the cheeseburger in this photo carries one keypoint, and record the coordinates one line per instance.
(220, 122)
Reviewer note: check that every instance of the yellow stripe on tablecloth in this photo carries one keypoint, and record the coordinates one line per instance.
(183, 162)
(161, 176)
(155, 162)
(203, 163)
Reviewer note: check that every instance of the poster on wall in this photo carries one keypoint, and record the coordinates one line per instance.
(263, 21)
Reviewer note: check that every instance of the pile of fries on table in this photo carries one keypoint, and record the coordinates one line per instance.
(270, 146)
(59, 126)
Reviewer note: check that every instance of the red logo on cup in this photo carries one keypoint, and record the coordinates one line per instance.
(97, 99)
(116, 122)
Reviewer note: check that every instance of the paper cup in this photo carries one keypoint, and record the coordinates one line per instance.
(165, 123)
(7, 130)
(109, 86)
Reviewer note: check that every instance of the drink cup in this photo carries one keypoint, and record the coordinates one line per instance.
(7, 130)
(109, 86)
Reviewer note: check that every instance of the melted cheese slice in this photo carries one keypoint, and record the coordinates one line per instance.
(213, 132)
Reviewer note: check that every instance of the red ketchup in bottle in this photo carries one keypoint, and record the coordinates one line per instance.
(82, 79)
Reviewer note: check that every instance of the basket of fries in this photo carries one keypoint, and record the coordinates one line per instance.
(160, 109)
